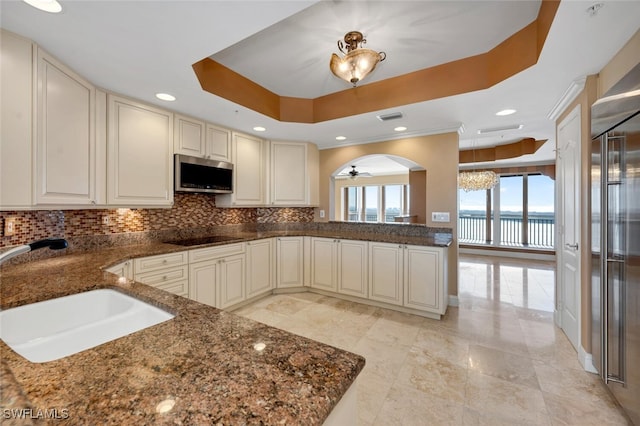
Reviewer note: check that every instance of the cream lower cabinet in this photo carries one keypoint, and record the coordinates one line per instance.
(290, 262)
(203, 280)
(122, 269)
(352, 264)
(386, 273)
(169, 272)
(324, 264)
(217, 275)
(139, 160)
(339, 266)
(260, 267)
(425, 280)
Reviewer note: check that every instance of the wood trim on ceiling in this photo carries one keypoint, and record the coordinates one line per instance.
(501, 152)
(515, 54)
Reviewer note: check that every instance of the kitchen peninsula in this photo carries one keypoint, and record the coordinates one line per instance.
(204, 361)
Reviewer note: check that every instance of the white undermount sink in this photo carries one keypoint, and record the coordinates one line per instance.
(50, 330)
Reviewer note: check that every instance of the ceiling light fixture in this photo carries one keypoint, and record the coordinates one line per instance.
(357, 62)
(400, 129)
(341, 138)
(477, 180)
(259, 129)
(51, 6)
(165, 97)
(506, 112)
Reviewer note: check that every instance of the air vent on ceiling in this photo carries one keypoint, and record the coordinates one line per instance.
(392, 116)
(500, 129)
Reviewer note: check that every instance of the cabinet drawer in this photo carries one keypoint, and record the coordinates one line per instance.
(152, 263)
(181, 288)
(215, 252)
(155, 278)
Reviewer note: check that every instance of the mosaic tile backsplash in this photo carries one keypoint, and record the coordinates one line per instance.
(188, 211)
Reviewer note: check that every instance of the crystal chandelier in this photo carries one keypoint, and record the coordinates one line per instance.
(477, 180)
(357, 62)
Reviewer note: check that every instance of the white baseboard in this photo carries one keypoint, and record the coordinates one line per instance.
(586, 360)
(453, 300)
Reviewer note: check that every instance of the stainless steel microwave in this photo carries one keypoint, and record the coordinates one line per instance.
(194, 174)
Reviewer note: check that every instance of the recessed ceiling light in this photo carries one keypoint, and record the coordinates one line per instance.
(341, 138)
(259, 129)
(165, 97)
(400, 129)
(51, 6)
(506, 112)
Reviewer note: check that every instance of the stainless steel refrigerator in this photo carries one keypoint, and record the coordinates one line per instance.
(615, 240)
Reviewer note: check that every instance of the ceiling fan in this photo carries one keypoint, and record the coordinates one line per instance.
(354, 174)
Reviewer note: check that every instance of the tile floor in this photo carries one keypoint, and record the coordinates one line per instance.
(497, 359)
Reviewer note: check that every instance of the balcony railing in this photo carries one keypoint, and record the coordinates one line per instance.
(472, 228)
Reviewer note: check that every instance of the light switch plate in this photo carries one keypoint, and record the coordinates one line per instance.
(440, 217)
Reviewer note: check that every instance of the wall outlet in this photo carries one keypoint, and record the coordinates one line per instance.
(105, 219)
(440, 217)
(321, 214)
(9, 226)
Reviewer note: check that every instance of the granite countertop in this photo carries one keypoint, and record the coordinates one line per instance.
(203, 359)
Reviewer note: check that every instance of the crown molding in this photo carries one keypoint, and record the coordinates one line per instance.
(567, 97)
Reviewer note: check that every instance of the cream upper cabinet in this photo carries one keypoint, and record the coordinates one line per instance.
(200, 139)
(139, 166)
(188, 136)
(260, 267)
(386, 272)
(16, 92)
(250, 156)
(65, 135)
(290, 262)
(425, 280)
(294, 174)
(217, 143)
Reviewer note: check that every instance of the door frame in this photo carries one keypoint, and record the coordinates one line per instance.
(574, 114)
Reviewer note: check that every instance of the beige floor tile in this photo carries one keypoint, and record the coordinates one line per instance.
(502, 365)
(433, 375)
(372, 392)
(407, 407)
(442, 344)
(471, 417)
(567, 411)
(505, 399)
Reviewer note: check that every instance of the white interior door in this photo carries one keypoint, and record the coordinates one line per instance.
(569, 245)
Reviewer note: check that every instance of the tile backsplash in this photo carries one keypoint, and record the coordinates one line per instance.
(188, 211)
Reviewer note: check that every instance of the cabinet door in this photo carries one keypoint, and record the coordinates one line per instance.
(385, 273)
(423, 281)
(65, 135)
(140, 166)
(218, 143)
(203, 279)
(260, 267)
(324, 263)
(189, 136)
(289, 177)
(352, 268)
(16, 87)
(123, 269)
(290, 262)
(232, 281)
(249, 173)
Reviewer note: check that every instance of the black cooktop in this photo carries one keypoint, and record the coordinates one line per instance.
(203, 240)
